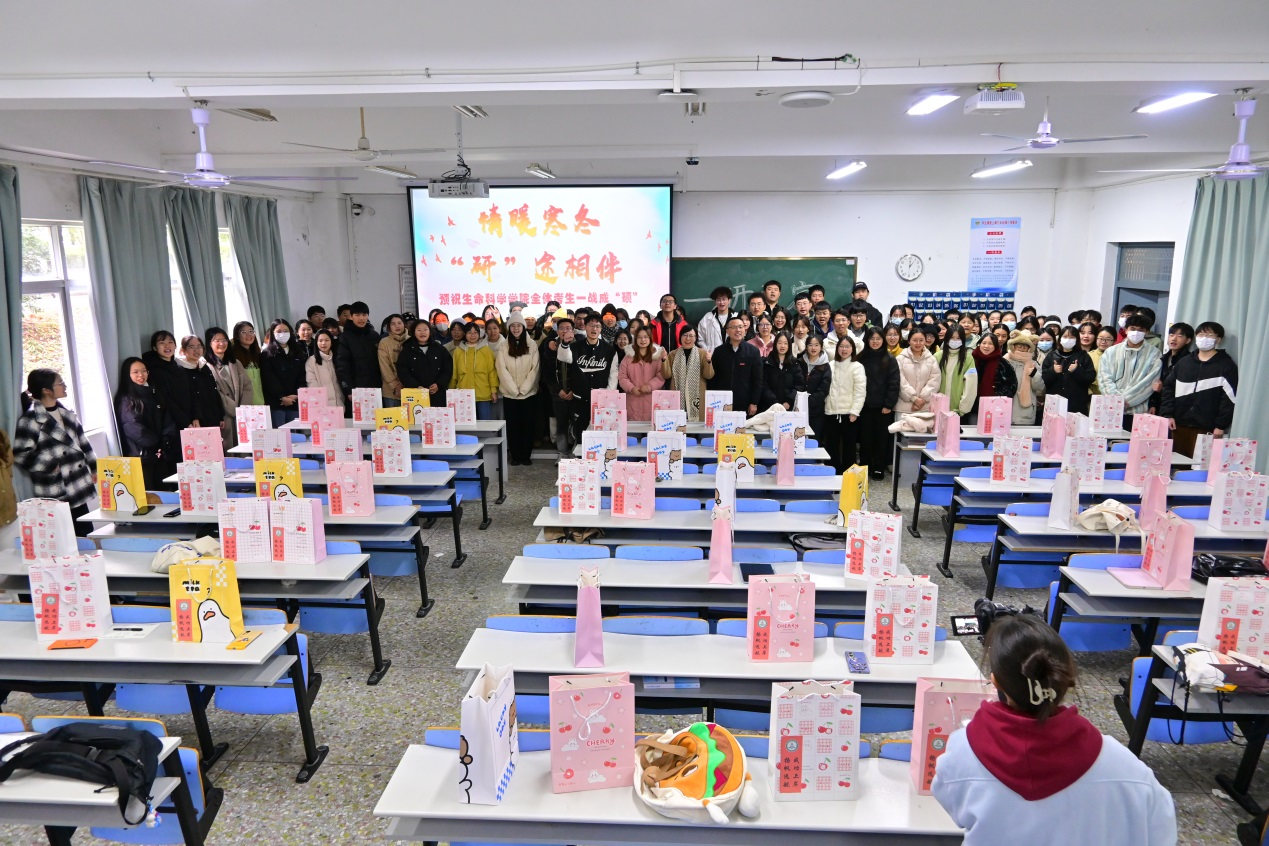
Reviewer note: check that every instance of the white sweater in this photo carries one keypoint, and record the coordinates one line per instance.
(517, 375)
(847, 389)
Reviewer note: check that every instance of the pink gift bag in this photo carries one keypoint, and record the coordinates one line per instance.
(995, 415)
(900, 620)
(1145, 456)
(244, 530)
(1053, 436)
(1055, 404)
(947, 434)
(1106, 413)
(592, 732)
(297, 531)
(203, 444)
(1149, 426)
(364, 403)
(251, 418)
(942, 707)
(874, 541)
(1086, 456)
(1168, 557)
(1011, 459)
(813, 742)
(311, 398)
(611, 419)
(1238, 502)
(588, 651)
(324, 419)
(1154, 500)
(271, 443)
(1231, 455)
(350, 489)
(391, 453)
(720, 545)
(633, 489)
(1078, 425)
(666, 401)
(781, 618)
(785, 463)
(578, 486)
(604, 398)
(939, 403)
(342, 445)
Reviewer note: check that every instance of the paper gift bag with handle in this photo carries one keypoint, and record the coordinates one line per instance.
(605, 398)
(70, 597)
(588, 650)
(1064, 507)
(120, 484)
(271, 443)
(786, 464)
(1154, 500)
(592, 732)
(1234, 616)
(297, 531)
(390, 451)
(728, 423)
(252, 418)
(781, 618)
(601, 448)
(438, 426)
(1086, 456)
(244, 530)
(311, 398)
(1011, 459)
(725, 488)
(813, 744)
(204, 444)
(874, 543)
(669, 421)
(1146, 456)
(1167, 559)
(947, 435)
(942, 707)
(665, 452)
(1078, 425)
(609, 418)
(1053, 435)
(1149, 426)
(1055, 404)
(326, 419)
(488, 738)
(666, 401)
(279, 478)
(853, 495)
(578, 486)
(46, 528)
(1203, 451)
(722, 527)
(938, 404)
(365, 401)
(205, 604)
(1231, 455)
(716, 401)
(1106, 413)
(391, 420)
(463, 401)
(995, 415)
(350, 489)
(201, 485)
(633, 490)
(414, 400)
(900, 620)
(790, 423)
(342, 445)
(1238, 501)
(737, 450)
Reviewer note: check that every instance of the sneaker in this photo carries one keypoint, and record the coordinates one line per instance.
(877, 475)
(528, 462)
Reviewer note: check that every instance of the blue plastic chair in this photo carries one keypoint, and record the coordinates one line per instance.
(710, 468)
(690, 469)
(168, 829)
(131, 543)
(1115, 475)
(166, 497)
(424, 465)
(532, 623)
(1122, 446)
(81, 544)
(1013, 572)
(975, 532)
(813, 470)
(811, 506)
(825, 556)
(761, 555)
(895, 750)
(1177, 732)
(278, 699)
(1192, 512)
(299, 438)
(659, 553)
(677, 503)
(1094, 637)
(565, 550)
(232, 463)
(1045, 472)
(1190, 476)
(754, 746)
(655, 626)
(708, 442)
(855, 631)
(20, 612)
(746, 504)
(393, 558)
(350, 620)
(12, 723)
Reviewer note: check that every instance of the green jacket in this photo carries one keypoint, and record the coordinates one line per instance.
(960, 384)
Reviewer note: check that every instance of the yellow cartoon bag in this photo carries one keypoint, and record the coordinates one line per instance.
(278, 478)
(854, 494)
(120, 484)
(205, 603)
(414, 400)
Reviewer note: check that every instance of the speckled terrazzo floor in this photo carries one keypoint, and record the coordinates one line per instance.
(368, 728)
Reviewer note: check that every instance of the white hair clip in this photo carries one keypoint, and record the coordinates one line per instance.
(1038, 693)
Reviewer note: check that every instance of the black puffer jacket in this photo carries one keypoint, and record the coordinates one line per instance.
(1072, 384)
(420, 366)
(282, 373)
(357, 359)
(209, 410)
(174, 389)
(881, 373)
(145, 424)
(783, 383)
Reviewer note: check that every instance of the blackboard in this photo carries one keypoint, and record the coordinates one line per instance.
(691, 279)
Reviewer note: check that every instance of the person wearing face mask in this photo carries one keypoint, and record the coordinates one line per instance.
(1122, 324)
(1021, 359)
(1045, 345)
(1199, 393)
(148, 431)
(1180, 336)
(1068, 371)
(1009, 320)
(1129, 369)
(282, 372)
(958, 377)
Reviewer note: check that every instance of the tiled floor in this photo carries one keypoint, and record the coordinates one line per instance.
(368, 728)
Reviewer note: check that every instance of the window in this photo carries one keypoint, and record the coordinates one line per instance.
(1148, 263)
(180, 313)
(236, 306)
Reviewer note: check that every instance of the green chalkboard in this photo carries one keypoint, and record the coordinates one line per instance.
(691, 279)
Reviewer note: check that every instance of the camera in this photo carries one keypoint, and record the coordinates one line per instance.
(357, 209)
(988, 611)
(693, 161)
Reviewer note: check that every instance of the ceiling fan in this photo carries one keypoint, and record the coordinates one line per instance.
(1238, 166)
(363, 152)
(1045, 140)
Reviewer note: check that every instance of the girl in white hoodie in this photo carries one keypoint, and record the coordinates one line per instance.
(1028, 769)
(845, 400)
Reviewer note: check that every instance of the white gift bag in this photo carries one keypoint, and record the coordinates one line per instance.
(874, 544)
(70, 597)
(666, 450)
(1064, 508)
(716, 401)
(1235, 616)
(201, 485)
(790, 423)
(601, 448)
(1106, 414)
(364, 403)
(900, 620)
(244, 530)
(1011, 459)
(251, 418)
(813, 745)
(47, 529)
(488, 740)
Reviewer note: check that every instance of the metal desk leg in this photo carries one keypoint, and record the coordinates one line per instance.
(1238, 786)
(916, 495)
(502, 468)
(314, 755)
(456, 517)
(484, 499)
(59, 835)
(993, 562)
(1059, 607)
(945, 567)
(1146, 635)
(211, 751)
(374, 613)
(1138, 726)
(420, 559)
(894, 477)
(191, 831)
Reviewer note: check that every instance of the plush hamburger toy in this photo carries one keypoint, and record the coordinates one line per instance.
(696, 775)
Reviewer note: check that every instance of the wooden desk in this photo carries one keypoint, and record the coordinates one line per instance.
(1096, 594)
(420, 806)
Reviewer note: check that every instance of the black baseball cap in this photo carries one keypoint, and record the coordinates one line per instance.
(860, 286)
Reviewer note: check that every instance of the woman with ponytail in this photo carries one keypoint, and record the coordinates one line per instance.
(50, 445)
(1028, 769)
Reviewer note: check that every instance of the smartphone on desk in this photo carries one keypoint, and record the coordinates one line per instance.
(750, 569)
(143, 510)
(175, 512)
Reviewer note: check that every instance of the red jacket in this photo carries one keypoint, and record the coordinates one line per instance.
(657, 333)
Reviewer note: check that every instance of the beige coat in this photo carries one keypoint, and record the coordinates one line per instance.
(323, 376)
(517, 375)
(694, 406)
(235, 390)
(917, 378)
(389, 349)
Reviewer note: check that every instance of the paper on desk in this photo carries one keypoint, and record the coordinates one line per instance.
(130, 632)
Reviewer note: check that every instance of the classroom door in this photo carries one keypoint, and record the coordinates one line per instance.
(1155, 300)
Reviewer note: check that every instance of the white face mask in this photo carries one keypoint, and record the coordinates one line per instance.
(904, 334)
(1205, 344)
(954, 344)
(1123, 321)
(1136, 336)
(282, 337)
(1068, 343)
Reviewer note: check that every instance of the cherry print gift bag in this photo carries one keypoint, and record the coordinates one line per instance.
(592, 732)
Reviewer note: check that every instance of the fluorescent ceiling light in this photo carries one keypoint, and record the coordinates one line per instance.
(932, 103)
(847, 170)
(263, 115)
(472, 111)
(389, 170)
(537, 170)
(996, 170)
(1176, 101)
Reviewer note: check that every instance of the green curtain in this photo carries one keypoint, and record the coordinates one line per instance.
(253, 225)
(124, 230)
(191, 217)
(1225, 278)
(12, 382)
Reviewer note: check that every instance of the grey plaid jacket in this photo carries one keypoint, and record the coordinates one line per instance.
(58, 459)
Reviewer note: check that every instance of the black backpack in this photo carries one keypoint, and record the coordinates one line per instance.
(100, 753)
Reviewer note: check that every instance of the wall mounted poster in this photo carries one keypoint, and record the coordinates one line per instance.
(993, 253)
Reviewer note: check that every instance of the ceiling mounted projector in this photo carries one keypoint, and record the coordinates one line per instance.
(678, 94)
(805, 99)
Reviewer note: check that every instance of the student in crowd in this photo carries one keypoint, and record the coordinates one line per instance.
(1180, 336)
(204, 395)
(763, 339)
(1044, 344)
(496, 340)
(860, 294)
(958, 376)
(245, 350)
(771, 292)
(746, 320)
(801, 331)
(304, 337)
(1200, 391)
(1027, 767)
(590, 360)
(895, 341)
(344, 314)
(556, 359)
(970, 329)
(841, 324)
(1002, 335)
(993, 319)
(897, 315)
(457, 332)
(1152, 337)
(231, 382)
(738, 368)
(50, 445)
(623, 343)
(822, 324)
(918, 375)
(819, 380)
(1088, 337)
(357, 358)
(711, 329)
(881, 383)
(608, 323)
(332, 326)
(1009, 320)
(1021, 359)
(802, 306)
(1125, 312)
(518, 364)
(668, 324)
(843, 406)
(779, 321)
(317, 317)
(167, 380)
(994, 379)
(282, 372)
(686, 370)
(148, 431)
(640, 375)
(858, 317)
(440, 325)
(817, 293)
(782, 374)
(1068, 372)
(1129, 369)
(425, 363)
(388, 349)
(319, 369)
(475, 370)
(757, 306)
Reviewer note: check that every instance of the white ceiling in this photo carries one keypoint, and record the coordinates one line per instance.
(105, 84)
